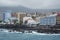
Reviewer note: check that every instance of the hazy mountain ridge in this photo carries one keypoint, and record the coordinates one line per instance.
(25, 9)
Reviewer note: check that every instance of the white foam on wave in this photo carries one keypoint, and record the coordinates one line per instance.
(44, 34)
(33, 32)
(9, 31)
(4, 30)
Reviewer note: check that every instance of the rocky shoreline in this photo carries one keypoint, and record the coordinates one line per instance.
(24, 28)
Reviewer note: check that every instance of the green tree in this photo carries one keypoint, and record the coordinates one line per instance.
(0, 21)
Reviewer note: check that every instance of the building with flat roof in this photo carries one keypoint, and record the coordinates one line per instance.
(20, 16)
(1, 16)
(58, 18)
(48, 20)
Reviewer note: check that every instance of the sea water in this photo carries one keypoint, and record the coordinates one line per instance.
(27, 36)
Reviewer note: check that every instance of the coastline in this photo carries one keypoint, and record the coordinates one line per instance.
(25, 29)
(33, 32)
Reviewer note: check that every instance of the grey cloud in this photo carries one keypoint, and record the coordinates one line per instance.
(42, 4)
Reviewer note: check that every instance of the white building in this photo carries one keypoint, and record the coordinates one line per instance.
(30, 21)
(7, 16)
(48, 20)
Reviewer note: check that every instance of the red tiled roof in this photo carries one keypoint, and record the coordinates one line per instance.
(58, 13)
(13, 15)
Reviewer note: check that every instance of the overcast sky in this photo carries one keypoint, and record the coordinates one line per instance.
(40, 4)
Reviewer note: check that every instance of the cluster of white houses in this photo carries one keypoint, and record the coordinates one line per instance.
(29, 19)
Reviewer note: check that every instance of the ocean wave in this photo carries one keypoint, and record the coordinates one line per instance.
(9, 31)
(44, 33)
(33, 32)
